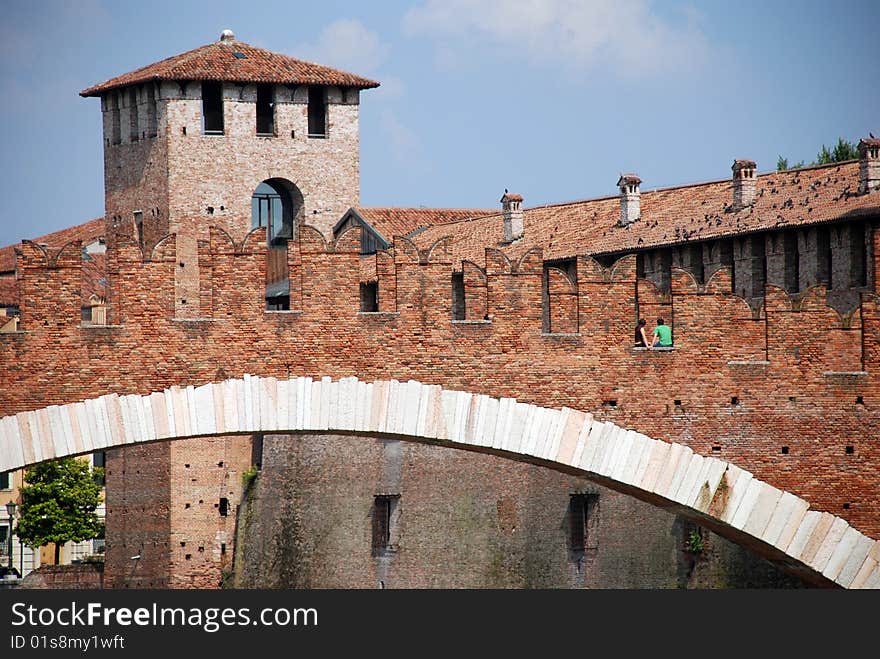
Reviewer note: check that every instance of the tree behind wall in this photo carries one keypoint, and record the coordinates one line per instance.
(58, 504)
(842, 151)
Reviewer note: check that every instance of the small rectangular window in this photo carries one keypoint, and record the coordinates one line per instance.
(224, 507)
(265, 110)
(85, 314)
(5, 481)
(139, 226)
(99, 460)
(212, 108)
(458, 299)
(384, 514)
(317, 112)
(115, 124)
(152, 122)
(582, 516)
(370, 296)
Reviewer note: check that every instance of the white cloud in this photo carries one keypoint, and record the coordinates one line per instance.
(403, 142)
(577, 34)
(347, 44)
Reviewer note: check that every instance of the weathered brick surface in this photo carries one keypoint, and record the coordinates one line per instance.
(465, 521)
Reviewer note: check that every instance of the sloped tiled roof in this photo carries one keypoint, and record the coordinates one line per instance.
(390, 222)
(87, 232)
(234, 61)
(669, 216)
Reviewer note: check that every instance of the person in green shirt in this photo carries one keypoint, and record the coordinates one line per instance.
(662, 335)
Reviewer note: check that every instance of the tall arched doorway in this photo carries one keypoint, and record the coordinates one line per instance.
(277, 204)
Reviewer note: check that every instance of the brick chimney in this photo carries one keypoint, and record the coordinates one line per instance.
(630, 209)
(869, 164)
(744, 184)
(511, 209)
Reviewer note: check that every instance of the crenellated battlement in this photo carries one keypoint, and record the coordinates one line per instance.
(741, 383)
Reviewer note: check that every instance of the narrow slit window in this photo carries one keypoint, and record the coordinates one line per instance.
(370, 296)
(115, 124)
(458, 303)
(5, 481)
(152, 122)
(133, 122)
(265, 110)
(223, 507)
(583, 519)
(212, 108)
(384, 509)
(317, 112)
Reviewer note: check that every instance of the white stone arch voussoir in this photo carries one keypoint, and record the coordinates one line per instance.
(778, 525)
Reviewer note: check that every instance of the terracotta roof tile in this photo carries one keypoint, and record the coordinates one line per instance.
(234, 61)
(390, 222)
(670, 216)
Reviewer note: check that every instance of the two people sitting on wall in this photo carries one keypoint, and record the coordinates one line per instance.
(662, 337)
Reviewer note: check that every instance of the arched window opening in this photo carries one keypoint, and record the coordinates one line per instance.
(277, 205)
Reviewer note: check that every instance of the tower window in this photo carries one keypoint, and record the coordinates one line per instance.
(212, 108)
(265, 110)
(152, 123)
(115, 126)
(223, 508)
(370, 296)
(5, 481)
(317, 112)
(133, 122)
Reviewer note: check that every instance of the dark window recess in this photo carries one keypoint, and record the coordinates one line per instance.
(317, 112)
(850, 450)
(133, 115)
(383, 518)
(458, 304)
(278, 303)
(370, 296)
(582, 510)
(224, 507)
(858, 256)
(5, 481)
(212, 108)
(85, 314)
(791, 261)
(257, 451)
(265, 110)
(139, 226)
(115, 125)
(152, 123)
(784, 450)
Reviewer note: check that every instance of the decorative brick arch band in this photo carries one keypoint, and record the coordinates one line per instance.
(778, 525)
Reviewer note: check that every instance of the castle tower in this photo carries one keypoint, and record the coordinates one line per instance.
(229, 135)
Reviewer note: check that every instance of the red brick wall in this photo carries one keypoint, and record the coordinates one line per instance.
(783, 364)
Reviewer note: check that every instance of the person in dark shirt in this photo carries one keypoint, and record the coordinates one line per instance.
(641, 337)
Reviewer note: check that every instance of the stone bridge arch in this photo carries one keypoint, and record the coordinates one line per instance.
(816, 546)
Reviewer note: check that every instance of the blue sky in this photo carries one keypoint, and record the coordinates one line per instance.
(549, 98)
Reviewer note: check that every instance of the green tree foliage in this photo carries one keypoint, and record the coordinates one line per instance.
(843, 150)
(58, 504)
